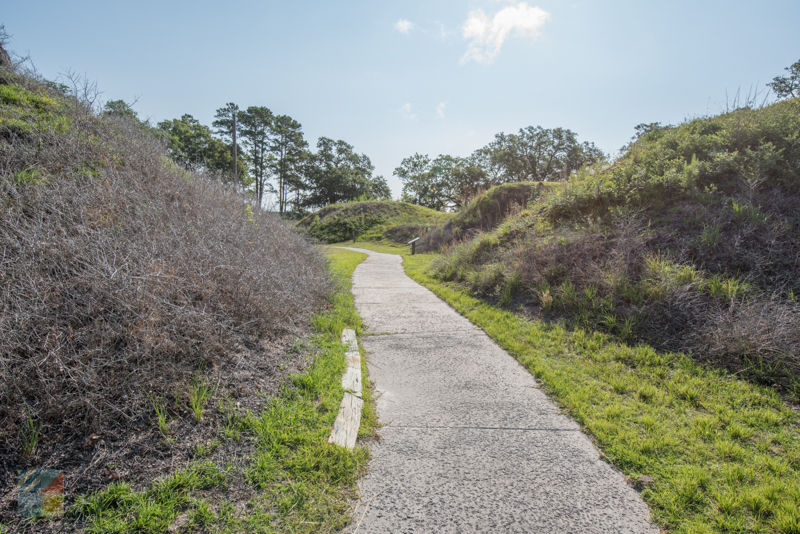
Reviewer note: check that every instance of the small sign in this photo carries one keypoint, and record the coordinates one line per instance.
(40, 492)
(413, 240)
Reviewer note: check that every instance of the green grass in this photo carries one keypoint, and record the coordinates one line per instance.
(302, 483)
(387, 248)
(724, 454)
(344, 263)
(29, 434)
(24, 112)
(200, 393)
(162, 418)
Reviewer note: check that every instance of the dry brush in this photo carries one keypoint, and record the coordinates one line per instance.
(120, 275)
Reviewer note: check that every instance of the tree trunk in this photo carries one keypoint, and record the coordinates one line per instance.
(235, 173)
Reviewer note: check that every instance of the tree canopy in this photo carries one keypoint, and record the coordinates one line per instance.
(120, 109)
(227, 127)
(191, 145)
(787, 86)
(273, 157)
(533, 154)
(288, 148)
(336, 173)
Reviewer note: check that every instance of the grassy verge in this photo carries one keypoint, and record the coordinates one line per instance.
(709, 452)
(296, 481)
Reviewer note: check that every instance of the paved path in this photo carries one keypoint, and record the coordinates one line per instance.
(470, 444)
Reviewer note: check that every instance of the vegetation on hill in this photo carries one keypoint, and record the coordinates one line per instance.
(687, 242)
(368, 220)
(269, 470)
(153, 317)
(483, 213)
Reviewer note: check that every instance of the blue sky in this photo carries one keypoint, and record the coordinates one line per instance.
(396, 77)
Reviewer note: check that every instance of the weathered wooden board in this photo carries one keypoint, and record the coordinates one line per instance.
(345, 428)
(353, 358)
(351, 381)
(349, 339)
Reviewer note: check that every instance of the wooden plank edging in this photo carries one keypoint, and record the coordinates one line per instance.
(345, 428)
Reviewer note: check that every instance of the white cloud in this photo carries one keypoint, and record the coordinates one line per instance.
(407, 112)
(488, 35)
(403, 26)
(440, 110)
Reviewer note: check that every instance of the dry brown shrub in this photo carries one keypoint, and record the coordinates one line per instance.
(762, 332)
(121, 276)
(584, 258)
(765, 251)
(758, 333)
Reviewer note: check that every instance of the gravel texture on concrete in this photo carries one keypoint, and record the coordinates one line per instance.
(470, 443)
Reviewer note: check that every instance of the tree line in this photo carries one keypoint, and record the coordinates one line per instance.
(271, 157)
(533, 154)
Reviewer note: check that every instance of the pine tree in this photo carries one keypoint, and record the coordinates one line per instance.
(256, 124)
(226, 127)
(288, 148)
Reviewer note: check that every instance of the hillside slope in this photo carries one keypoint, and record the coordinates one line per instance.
(366, 220)
(483, 213)
(130, 289)
(690, 241)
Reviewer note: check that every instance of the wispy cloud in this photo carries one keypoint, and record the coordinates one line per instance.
(403, 26)
(443, 32)
(488, 35)
(440, 110)
(407, 112)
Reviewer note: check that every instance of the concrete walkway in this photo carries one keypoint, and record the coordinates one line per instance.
(470, 443)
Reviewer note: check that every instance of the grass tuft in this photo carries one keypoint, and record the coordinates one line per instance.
(29, 434)
(200, 392)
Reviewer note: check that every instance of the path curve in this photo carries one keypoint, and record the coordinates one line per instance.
(470, 443)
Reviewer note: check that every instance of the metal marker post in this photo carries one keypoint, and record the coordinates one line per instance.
(413, 244)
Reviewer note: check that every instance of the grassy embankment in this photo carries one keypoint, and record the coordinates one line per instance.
(709, 452)
(392, 222)
(368, 221)
(688, 242)
(482, 214)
